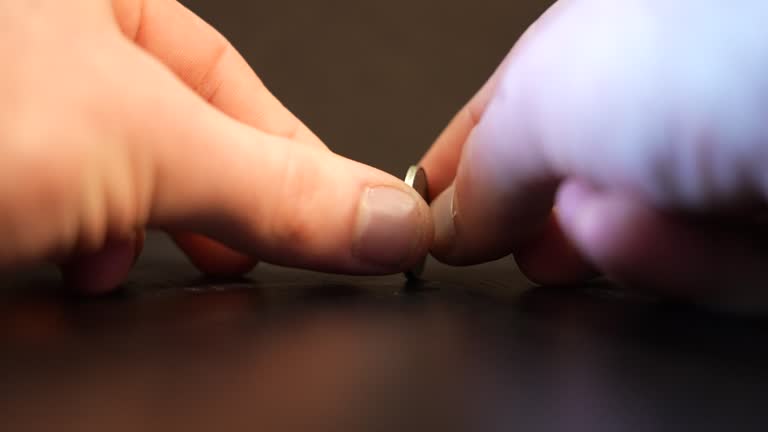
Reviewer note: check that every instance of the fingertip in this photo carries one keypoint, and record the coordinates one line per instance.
(213, 258)
(675, 256)
(552, 259)
(634, 243)
(103, 271)
(610, 229)
(393, 230)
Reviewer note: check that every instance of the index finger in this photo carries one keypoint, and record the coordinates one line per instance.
(208, 63)
(494, 189)
(442, 159)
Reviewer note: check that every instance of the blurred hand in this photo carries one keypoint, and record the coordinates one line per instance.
(644, 124)
(125, 115)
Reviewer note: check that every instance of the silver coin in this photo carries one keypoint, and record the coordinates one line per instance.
(417, 179)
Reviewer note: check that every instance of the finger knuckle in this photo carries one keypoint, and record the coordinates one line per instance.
(298, 194)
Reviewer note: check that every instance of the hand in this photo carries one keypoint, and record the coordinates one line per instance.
(644, 124)
(125, 115)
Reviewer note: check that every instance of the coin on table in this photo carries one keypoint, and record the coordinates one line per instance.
(417, 179)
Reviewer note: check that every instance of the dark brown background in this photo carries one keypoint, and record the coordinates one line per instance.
(376, 80)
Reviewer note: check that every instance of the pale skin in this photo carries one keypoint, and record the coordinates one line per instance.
(641, 122)
(644, 124)
(126, 115)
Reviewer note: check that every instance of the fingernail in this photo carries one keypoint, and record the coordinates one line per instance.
(388, 227)
(443, 216)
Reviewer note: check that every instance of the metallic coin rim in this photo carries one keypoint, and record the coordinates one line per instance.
(410, 179)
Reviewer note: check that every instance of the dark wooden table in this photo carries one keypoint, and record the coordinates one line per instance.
(467, 350)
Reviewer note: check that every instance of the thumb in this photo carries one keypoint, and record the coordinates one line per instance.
(268, 196)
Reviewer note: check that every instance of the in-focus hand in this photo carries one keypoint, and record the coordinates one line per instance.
(132, 114)
(644, 124)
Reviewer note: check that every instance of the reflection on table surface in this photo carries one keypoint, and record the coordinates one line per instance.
(286, 350)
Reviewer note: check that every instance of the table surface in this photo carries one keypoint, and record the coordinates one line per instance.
(470, 349)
